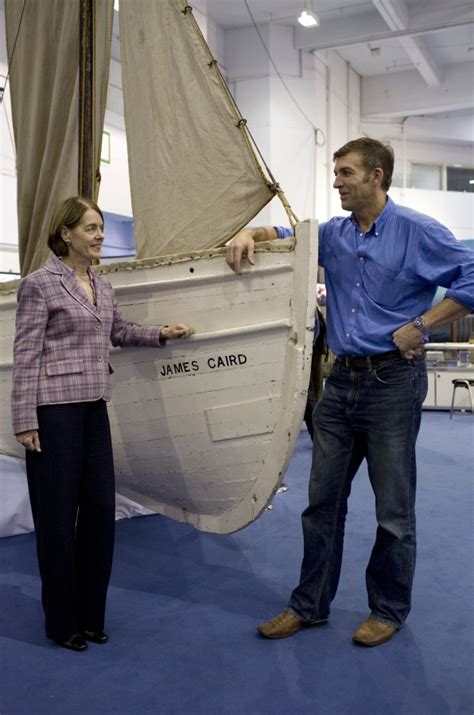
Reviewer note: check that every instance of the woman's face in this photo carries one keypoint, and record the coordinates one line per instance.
(84, 241)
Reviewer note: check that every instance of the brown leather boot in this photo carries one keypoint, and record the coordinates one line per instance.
(372, 632)
(283, 625)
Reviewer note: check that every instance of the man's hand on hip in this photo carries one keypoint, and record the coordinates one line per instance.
(409, 341)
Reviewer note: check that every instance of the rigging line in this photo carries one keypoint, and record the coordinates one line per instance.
(2, 89)
(241, 123)
(316, 129)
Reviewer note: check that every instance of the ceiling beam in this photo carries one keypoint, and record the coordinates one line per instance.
(370, 27)
(439, 128)
(404, 94)
(395, 14)
(353, 39)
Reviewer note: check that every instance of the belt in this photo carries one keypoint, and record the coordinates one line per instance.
(365, 362)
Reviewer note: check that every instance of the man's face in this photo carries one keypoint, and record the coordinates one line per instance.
(357, 187)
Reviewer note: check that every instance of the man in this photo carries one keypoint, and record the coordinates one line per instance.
(382, 265)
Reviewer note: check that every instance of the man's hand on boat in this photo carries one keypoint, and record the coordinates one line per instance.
(243, 244)
(180, 330)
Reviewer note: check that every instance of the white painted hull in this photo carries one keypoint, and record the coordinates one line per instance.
(203, 429)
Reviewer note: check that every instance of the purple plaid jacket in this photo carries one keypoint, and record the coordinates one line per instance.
(61, 349)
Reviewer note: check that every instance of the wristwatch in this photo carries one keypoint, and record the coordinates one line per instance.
(420, 325)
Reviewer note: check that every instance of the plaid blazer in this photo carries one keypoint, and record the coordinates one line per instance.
(62, 341)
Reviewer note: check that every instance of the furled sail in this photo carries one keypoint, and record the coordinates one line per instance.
(194, 179)
(43, 51)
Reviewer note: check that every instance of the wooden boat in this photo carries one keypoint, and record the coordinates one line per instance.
(204, 429)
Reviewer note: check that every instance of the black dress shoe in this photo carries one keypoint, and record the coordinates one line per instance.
(75, 642)
(96, 636)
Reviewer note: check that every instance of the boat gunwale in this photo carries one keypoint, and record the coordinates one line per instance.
(286, 245)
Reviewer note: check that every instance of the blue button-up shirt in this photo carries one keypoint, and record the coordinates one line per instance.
(384, 278)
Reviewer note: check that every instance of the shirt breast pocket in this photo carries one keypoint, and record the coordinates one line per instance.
(386, 287)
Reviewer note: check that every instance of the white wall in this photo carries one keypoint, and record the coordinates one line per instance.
(453, 209)
(417, 140)
(343, 122)
(420, 140)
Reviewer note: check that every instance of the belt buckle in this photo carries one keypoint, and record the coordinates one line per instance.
(360, 362)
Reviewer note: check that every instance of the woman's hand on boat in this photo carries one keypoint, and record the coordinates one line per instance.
(241, 245)
(180, 330)
(29, 439)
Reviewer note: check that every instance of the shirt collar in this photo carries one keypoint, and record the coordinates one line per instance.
(381, 219)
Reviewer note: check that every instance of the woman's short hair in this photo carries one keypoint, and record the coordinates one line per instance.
(68, 214)
(374, 155)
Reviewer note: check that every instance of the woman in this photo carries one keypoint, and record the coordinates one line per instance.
(66, 318)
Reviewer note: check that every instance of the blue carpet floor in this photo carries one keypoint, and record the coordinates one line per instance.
(183, 607)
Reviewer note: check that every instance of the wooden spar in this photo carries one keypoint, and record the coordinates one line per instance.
(86, 96)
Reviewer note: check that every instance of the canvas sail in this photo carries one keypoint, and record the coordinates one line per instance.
(194, 179)
(43, 52)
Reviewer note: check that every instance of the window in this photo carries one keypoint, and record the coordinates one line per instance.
(425, 176)
(459, 179)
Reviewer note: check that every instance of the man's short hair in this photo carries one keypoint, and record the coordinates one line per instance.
(374, 155)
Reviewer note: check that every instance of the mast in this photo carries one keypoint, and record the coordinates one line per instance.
(86, 183)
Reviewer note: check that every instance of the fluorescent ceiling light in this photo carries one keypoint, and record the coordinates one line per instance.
(308, 19)
(471, 181)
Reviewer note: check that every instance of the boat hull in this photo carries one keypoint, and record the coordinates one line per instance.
(203, 429)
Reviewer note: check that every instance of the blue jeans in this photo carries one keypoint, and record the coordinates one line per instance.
(373, 414)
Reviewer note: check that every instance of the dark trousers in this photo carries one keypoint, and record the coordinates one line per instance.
(72, 492)
(315, 388)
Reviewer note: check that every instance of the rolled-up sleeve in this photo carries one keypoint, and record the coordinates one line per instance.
(286, 232)
(444, 261)
(283, 231)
